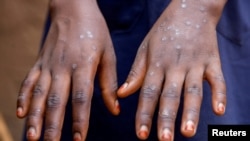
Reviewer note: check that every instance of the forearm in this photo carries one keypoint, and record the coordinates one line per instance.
(196, 10)
(74, 9)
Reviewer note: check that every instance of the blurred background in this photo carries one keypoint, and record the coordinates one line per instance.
(21, 29)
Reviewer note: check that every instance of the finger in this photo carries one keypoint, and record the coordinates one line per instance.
(192, 101)
(56, 103)
(108, 80)
(37, 106)
(216, 80)
(81, 100)
(169, 104)
(136, 74)
(25, 91)
(147, 101)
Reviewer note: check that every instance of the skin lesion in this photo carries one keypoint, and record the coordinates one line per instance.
(150, 92)
(194, 90)
(79, 97)
(38, 90)
(53, 101)
(168, 115)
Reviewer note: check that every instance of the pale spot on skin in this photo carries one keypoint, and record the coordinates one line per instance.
(90, 59)
(166, 113)
(188, 23)
(152, 87)
(74, 66)
(151, 73)
(202, 9)
(170, 27)
(171, 38)
(183, 5)
(174, 85)
(177, 32)
(204, 20)
(197, 26)
(144, 45)
(158, 64)
(177, 46)
(93, 47)
(89, 34)
(164, 38)
(81, 36)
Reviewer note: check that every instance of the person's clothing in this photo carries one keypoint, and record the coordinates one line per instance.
(129, 21)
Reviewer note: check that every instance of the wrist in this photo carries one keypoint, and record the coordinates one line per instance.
(75, 8)
(208, 10)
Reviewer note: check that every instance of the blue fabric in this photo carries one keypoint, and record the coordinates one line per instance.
(129, 21)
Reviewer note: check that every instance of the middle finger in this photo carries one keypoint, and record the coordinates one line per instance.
(192, 101)
(169, 104)
(56, 103)
(147, 101)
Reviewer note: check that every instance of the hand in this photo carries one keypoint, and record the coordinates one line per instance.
(78, 46)
(178, 53)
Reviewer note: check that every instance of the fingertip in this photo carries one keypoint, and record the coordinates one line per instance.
(31, 133)
(220, 108)
(19, 112)
(188, 129)
(114, 107)
(143, 132)
(77, 136)
(166, 135)
(121, 91)
(117, 108)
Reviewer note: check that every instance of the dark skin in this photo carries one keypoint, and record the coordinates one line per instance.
(179, 52)
(77, 47)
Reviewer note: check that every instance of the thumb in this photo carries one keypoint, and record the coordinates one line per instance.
(136, 74)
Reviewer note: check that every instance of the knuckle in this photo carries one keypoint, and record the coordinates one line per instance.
(167, 115)
(150, 92)
(79, 121)
(38, 90)
(193, 111)
(53, 101)
(221, 93)
(219, 78)
(79, 97)
(171, 93)
(26, 82)
(133, 72)
(194, 89)
(144, 116)
(21, 99)
(35, 113)
(50, 132)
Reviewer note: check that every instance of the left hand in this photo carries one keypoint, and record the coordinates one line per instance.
(180, 51)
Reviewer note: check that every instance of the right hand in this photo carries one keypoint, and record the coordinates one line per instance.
(78, 46)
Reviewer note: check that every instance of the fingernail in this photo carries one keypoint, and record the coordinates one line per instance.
(189, 125)
(221, 107)
(143, 131)
(31, 132)
(166, 135)
(117, 105)
(77, 137)
(19, 111)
